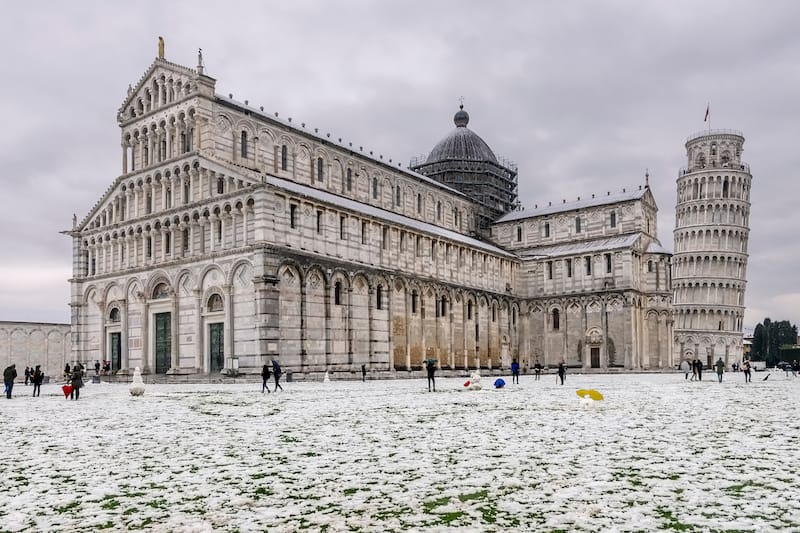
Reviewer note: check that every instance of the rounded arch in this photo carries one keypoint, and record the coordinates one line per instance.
(156, 277)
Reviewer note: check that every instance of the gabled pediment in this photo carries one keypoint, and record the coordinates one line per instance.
(164, 80)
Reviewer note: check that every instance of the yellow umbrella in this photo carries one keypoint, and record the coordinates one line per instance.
(589, 393)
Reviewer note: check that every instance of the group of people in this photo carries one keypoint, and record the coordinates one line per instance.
(266, 373)
(33, 376)
(695, 366)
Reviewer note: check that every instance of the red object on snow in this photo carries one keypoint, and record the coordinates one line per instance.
(466, 384)
(67, 390)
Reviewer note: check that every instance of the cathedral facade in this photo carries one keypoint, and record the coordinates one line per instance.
(232, 237)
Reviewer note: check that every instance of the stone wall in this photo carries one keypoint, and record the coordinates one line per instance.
(31, 344)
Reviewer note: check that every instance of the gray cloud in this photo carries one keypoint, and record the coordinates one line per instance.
(582, 95)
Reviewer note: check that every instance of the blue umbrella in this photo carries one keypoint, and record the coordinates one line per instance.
(499, 383)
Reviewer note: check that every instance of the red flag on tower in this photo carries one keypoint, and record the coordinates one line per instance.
(708, 108)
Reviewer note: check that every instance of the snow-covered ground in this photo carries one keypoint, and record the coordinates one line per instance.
(659, 453)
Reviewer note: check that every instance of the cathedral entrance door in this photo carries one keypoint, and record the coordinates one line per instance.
(116, 351)
(595, 357)
(163, 342)
(216, 347)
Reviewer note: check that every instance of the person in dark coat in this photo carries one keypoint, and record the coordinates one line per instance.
(562, 371)
(276, 372)
(77, 383)
(265, 373)
(746, 370)
(67, 372)
(699, 370)
(363, 373)
(97, 368)
(430, 366)
(27, 375)
(720, 366)
(515, 372)
(37, 378)
(537, 368)
(9, 375)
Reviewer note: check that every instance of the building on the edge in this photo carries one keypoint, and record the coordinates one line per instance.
(233, 236)
(35, 343)
(712, 226)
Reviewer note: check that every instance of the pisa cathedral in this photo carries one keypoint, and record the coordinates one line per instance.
(233, 236)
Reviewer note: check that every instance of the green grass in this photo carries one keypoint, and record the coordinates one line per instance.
(480, 495)
(670, 522)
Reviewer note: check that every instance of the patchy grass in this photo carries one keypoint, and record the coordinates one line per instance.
(479, 495)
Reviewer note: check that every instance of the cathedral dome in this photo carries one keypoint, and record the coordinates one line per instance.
(461, 144)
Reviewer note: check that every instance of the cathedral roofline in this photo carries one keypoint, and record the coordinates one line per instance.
(230, 102)
(573, 206)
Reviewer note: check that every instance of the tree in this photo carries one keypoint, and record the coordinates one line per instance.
(757, 348)
(769, 337)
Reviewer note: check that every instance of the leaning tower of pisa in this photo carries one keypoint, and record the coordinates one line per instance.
(709, 266)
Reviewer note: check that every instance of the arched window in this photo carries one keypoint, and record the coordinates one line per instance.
(546, 229)
(469, 310)
(379, 297)
(613, 219)
(244, 145)
(413, 302)
(494, 313)
(161, 291)
(337, 293)
(320, 169)
(284, 157)
(220, 185)
(443, 311)
(113, 316)
(649, 266)
(556, 324)
(214, 304)
(519, 233)
(419, 203)
(514, 317)
(577, 224)
(397, 198)
(349, 185)
(438, 210)
(375, 188)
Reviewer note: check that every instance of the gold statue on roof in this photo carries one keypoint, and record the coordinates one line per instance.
(160, 47)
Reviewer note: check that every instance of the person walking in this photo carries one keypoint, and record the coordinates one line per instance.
(795, 368)
(363, 373)
(746, 370)
(37, 378)
(9, 375)
(97, 368)
(515, 372)
(720, 366)
(77, 383)
(694, 369)
(562, 371)
(430, 366)
(537, 370)
(67, 372)
(685, 366)
(265, 378)
(699, 370)
(276, 373)
(27, 375)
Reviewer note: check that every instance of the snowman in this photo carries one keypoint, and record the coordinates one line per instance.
(137, 387)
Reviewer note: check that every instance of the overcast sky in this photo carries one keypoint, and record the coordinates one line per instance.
(582, 95)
